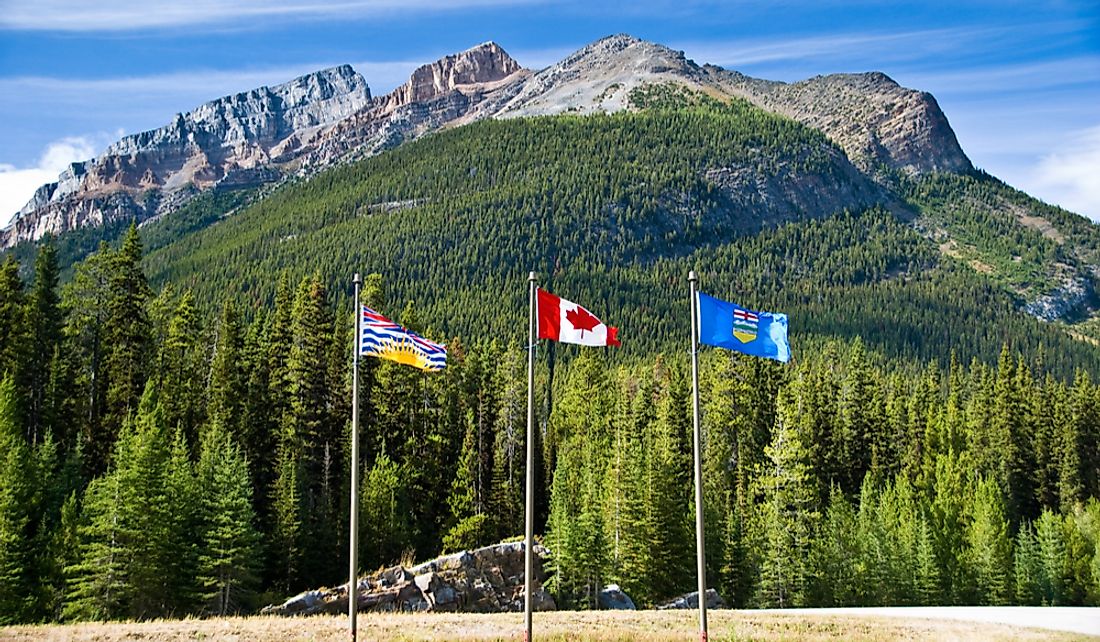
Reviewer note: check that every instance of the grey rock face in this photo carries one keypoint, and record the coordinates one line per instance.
(234, 140)
(262, 116)
(766, 197)
(875, 120)
(485, 63)
(1062, 301)
(691, 601)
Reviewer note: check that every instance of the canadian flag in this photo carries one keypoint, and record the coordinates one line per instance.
(568, 322)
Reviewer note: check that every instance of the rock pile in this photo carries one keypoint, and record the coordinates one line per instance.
(484, 580)
(691, 601)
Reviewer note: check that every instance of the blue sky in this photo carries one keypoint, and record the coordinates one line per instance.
(1019, 81)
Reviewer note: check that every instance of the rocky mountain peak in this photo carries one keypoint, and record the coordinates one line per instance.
(599, 77)
(484, 64)
(308, 123)
(878, 122)
(623, 51)
(261, 115)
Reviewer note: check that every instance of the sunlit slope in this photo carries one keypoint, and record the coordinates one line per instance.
(612, 210)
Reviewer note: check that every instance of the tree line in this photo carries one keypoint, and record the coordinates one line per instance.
(162, 461)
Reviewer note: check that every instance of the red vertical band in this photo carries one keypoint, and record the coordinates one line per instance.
(549, 315)
(612, 336)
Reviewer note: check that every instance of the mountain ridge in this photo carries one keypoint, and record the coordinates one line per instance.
(894, 142)
(246, 139)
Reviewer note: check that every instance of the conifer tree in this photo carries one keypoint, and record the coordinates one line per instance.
(989, 547)
(12, 320)
(261, 418)
(228, 389)
(127, 331)
(84, 353)
(788, 510)
(468, 520)
(384, 510)
(667, 486)
(312, 427)
(44, 327)
(1078, 474)
(182, 371)
(1046, 404)
(877, 567)
(229, 545)
(1028, 567)
(510, 445)
(1052, 555)
(99, 584)
(860, 439)
(183, 498)
(576, 528)
(1011, 437)
(630, 523)
(928, 588)
(17, 567)
(287, 518)
(949, 521)
(834, 558)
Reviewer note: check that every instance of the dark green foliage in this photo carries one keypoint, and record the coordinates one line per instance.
(199, 212)
(615, 209)
(127, 330)
(17, 499)
(875, 469)
(383, 514)
(230, 543)
(44, 321)
(1016, 239)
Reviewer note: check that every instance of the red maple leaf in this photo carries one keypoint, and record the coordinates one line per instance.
(581, 319)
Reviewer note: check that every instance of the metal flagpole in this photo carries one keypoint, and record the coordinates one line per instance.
(529, 520)
(353, 553)
(701, 556)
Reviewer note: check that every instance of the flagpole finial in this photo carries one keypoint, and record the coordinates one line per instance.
(356, 280)
(531, 276)
(691, 276)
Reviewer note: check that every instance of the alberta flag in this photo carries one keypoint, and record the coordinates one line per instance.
(728, 325)
(382, 338)
(565, 321)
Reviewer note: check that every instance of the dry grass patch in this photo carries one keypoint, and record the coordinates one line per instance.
(605, 626)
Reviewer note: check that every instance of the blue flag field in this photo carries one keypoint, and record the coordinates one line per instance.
(728, 325)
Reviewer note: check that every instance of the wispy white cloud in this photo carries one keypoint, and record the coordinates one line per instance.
(17, 185)
(131, 15)
(993, 80)
(1070, 176)
(137, 103)
(856, 46)
(542, 58)
(210, 83)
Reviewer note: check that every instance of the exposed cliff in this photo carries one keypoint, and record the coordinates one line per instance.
(236, 140)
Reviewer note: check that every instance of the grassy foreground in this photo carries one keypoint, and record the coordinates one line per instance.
(604, 626)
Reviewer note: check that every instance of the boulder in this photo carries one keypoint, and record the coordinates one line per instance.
(691, 601)
(484, 580)
(612, 598)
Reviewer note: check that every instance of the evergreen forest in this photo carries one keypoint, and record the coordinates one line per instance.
(175, 403)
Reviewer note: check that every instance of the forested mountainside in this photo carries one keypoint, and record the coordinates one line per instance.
(246, 145)
(617, 208)
(174, 417)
